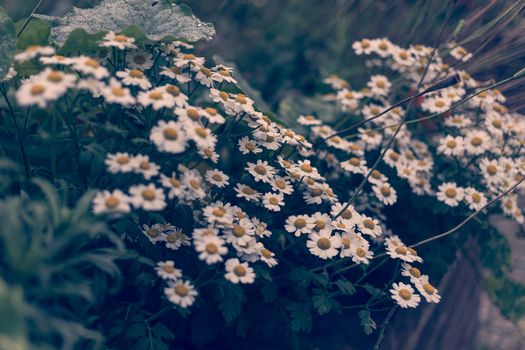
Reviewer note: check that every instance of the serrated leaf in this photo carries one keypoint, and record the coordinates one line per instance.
(136, 330)
(373, 291)
(156, 22)
(7, 43)
(345, 286)
(230, 299)
(367, 322)
(301, 317)
(323, 303)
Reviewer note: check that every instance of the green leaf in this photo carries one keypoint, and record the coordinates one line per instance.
(345, 286)
(7, 43)
(230, 299)
(161, 331)
(36, 33)
(301, 317)
(373, 291)
(136, 330)
(324, 303)
(156, 22)
(367, 322)
(269, 292)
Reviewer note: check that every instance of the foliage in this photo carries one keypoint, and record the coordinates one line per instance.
(8, 43)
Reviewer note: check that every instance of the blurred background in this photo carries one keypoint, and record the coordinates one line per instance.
(285, 48)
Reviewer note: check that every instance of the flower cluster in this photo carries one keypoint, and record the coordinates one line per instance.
(244, 187)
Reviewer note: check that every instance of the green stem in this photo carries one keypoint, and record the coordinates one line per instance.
(28, 19)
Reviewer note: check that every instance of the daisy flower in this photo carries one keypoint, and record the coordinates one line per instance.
(379, 85)
(450, 194)
(475, 199)
(477, 142)
(266, 255)
(34, 92)
(217, 178)
(324, 244)
(57, 80)
(491, 170)
(204, 76)
(349, 213)
(322, 222)
(134, 77)
(308, 120)
(410, 271)
(246, 192)
(299, 224)
(428, 291)
(223, 74)
(237, 272)
(363, 46)
(355, 165)
(201, 135)
(261, 171)
(213, 115)
(120, 41)
(175, 238)
(404, 295)
(139, 60)
(111, 202)
(89, 66)
(436, 104)
(115, 93)
(153, 233)
(240, 233)
(248, 146)
(361, 254)
(218, 213)
(460, 54)
(273, 201)
(189, 59)
(451, 146)
(175, 187)
(33, 51)
(147, 197)
(192, 180)
(175, 73)
(157, 98)
(211, 249)
(400, 251)
(181, 293)
(281, 184)
(167, 271)
(145, 167)
(385, 193)
(369, 226)
(120, 163)
(169, 137)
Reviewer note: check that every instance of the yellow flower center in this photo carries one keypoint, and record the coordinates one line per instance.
(181, 290)
(385, 191)
(217, 177)
(347, 214)
(240, 98)
(91, 63)
(260, 169)
(211, 248)
(476, 198)
(492, 169)
(174, 182)
(189, 57)
(219, 212)
(248, 190)
(360, 252)
(476, 141)
(273, 200)
(451, 193)
(429, 289)
(121, 38)
(148, 194)
(55, 76)
(123, 160)
(155, 95)
(354, 161)
(323, 243)
(346, 242)
(300, 223)
(118, 91)
(135, 73)
(206, 71)
(201, 132)
(168, 268)
(306, 168)
(170, 134)
(369, 224)
(37, 89)
(401, 250)
(173, 90)
(405, 294)
(112, 202)
(452, 144)
(414, 271)
(266, 253)
(240, 270)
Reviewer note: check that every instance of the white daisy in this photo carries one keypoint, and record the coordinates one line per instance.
(180, 292)
(145, 167)
(369, 226)
(90, 66)
(157, 98)
(33, 51)
(404, 295)
(451, 146)
(248, 146)
(134, 77)
(167, 271)
(299, 224)
(247, 192)
(273, 201)
(450, 194)
(217, 178)
(169, 137)
(115, 93)
(477, 142)
(111, 202)
(385, 193)
(261, 171)
(147, 197)
(410, 271)
(120, 41)
(211, 249)
(475, 199)
(139, 60)
(120, 163)
(324, 244)
(428, 291)
(237, 272)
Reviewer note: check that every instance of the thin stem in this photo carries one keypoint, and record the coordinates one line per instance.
(28, 19)
(383, 327)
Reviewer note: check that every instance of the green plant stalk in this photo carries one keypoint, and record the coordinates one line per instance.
(28, 19)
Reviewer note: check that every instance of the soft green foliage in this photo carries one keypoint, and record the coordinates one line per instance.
(7, 43)
(58, 263)
(157, 21)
